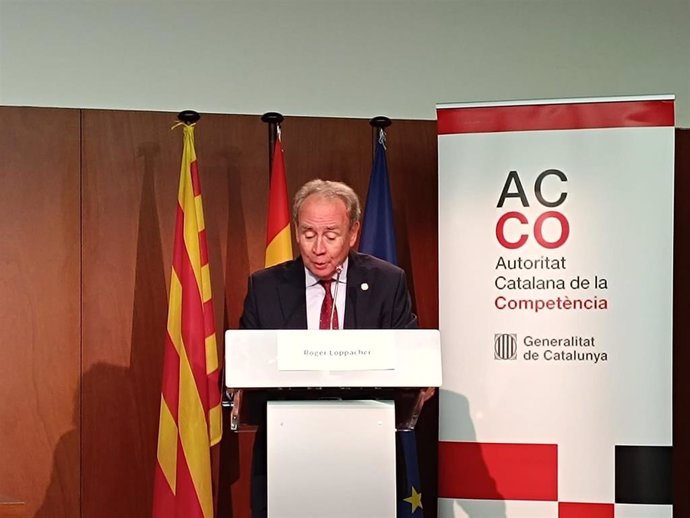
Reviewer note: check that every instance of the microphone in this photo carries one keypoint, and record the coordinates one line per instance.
(338, 271)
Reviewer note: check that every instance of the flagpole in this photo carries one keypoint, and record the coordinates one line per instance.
(272, 119)
(188, 117)
(378, 123)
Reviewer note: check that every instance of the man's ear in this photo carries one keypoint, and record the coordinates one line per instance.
(354, 232)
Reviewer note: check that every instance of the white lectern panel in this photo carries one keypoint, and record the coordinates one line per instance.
(331, 459)
(251, 359)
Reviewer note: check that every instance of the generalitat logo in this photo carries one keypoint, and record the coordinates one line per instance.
(505, 346)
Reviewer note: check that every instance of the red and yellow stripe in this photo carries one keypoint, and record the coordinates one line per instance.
(278, 237)
(190, 415)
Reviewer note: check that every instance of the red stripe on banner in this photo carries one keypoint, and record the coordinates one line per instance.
(164, 497)
(196, 183)
(580, 510)
(171, 377)
(498, 471)
(489, 119)
(188, 504)
(193, 332)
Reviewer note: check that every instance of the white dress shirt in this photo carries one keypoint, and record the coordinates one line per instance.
(315, 294)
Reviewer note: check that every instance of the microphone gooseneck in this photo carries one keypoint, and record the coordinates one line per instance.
(338, 270)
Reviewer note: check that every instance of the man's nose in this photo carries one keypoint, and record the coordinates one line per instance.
(319, 247)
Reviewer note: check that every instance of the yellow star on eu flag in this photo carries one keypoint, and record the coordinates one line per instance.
(415, 500)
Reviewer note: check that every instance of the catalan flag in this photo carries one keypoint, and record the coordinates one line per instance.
(278, 237)
(190, 416)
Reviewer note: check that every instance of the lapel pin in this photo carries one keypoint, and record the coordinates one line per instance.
(364, 286)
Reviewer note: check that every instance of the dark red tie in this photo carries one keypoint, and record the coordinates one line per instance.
(327, 308)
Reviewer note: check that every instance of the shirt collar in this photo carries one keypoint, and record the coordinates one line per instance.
(311, 280)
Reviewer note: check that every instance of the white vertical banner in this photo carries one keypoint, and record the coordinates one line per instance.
(555, 264)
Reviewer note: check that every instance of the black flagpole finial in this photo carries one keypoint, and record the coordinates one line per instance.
(380, 122)
(188, 117)
(272, 117)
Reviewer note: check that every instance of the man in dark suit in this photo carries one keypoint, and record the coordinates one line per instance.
(368, 293)
(376, 296)
(329, 286)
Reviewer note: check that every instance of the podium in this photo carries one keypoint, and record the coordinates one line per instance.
(333, 400)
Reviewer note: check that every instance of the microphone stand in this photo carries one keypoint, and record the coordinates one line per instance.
(339, 270)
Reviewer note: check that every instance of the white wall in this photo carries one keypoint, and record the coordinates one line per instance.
(336, 57)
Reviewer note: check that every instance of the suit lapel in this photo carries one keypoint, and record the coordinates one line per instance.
(354, 302)
(292, 298)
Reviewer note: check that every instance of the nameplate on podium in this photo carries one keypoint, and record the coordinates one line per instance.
(335, 351)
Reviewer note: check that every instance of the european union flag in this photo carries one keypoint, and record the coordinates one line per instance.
(378, 239)
(378, 229)
(409, 487)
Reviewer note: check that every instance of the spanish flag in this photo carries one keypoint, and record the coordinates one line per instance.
(278, 237)
(190, 414)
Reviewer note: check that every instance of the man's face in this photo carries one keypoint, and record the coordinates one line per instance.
(324, 234)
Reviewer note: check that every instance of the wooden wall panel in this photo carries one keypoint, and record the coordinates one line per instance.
(131, 167)
(342, 149)
(131, 164)
(413, 170)
(39, 310)
(11, 507)
(232, 152)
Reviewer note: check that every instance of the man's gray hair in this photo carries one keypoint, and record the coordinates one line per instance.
(328, 189)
